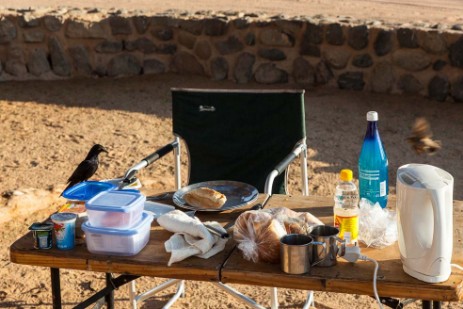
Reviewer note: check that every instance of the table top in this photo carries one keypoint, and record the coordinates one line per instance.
(229, 266)
(347, 277)
(151, 261)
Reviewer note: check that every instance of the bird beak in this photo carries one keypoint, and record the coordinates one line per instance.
(104, 150)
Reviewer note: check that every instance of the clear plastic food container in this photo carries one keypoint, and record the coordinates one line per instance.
(118, 242)
(115, 209)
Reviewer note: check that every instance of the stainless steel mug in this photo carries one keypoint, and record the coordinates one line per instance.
(326, 255)
(296, 252)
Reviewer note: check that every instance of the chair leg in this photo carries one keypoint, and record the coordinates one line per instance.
(310, 300)
(305, 182)
(274, 298)
(132, 295)
(180, 292)
(134, 299)
(239, 296)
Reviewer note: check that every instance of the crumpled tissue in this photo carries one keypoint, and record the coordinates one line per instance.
(377, 226)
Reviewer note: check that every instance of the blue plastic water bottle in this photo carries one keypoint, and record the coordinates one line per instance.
(373, 165)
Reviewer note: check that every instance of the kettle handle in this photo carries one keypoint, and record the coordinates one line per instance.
(439, 243)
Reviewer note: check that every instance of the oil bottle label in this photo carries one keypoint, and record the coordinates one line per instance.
(348, 227)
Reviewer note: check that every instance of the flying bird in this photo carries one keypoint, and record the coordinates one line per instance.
(86, 168)
(421, 138)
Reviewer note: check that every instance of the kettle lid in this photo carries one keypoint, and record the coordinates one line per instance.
(424, 176)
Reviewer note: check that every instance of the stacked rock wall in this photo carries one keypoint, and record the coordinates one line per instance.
(309, 51)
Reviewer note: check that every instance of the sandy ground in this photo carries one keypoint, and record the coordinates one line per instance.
(402, 11)
(47, 128)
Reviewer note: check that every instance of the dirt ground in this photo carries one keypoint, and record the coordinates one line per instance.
(48, 127)
(403, 11)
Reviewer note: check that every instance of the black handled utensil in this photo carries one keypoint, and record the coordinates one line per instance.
(215, 231)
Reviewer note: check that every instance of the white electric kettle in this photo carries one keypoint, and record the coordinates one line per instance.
(425, 221)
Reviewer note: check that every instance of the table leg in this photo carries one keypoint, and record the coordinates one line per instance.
(110, 296)
(55, 288)
(114, 284)
(436, 304)
(428, 304)
(391, 302)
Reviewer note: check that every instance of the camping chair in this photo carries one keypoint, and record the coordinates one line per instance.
(249, 136)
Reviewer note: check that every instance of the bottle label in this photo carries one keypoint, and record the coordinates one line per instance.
(347, 199)
(370, 185)
(382, 188)
(348, 228)
(371, 175)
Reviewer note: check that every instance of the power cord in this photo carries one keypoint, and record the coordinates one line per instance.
(457, 266)
(353, 254)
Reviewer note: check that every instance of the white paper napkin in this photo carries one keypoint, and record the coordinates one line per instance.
(190, 237)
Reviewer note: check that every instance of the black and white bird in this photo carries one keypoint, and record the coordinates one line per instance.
(86, 168)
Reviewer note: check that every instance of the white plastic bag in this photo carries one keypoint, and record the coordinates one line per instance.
(258, 232)
(258, 236)
(377, 226)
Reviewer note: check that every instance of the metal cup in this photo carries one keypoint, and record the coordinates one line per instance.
(296, 253)
(327, 255)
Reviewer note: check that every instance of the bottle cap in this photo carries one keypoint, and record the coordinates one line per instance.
(372, 116)
(345, 175)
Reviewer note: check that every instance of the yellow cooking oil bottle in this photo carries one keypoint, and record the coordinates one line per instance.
(346, 209)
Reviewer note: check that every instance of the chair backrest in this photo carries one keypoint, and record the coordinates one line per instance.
(238, 134)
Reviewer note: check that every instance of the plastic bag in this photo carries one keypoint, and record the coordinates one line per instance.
(377, 226)
(294, 222)
(258, 232)
(258, 235)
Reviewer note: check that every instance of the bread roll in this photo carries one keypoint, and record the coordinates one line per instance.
(269, 242)
(204, 197)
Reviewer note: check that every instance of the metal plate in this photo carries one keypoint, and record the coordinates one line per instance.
(157, 209)
(238, 194)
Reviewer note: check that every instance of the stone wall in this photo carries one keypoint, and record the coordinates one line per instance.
(310, 51)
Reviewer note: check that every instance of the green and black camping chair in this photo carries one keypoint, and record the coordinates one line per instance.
(249, 136)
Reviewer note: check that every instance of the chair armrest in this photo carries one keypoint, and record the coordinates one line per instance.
(161, 152)
(281, 167)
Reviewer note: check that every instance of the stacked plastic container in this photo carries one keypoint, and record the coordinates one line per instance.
(76, 197)
(117, 224)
